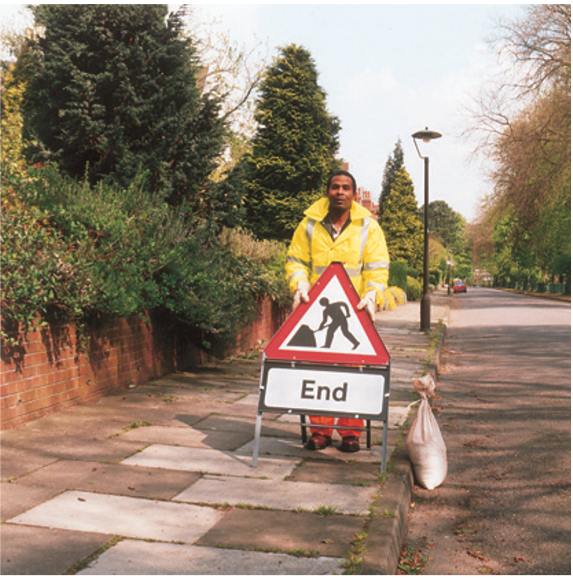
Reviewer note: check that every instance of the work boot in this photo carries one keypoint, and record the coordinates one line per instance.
(318, 441)
(350, 444)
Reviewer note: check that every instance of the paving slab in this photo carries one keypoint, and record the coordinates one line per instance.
(127, 406)
(219, 372)
(125, 516)
(185, 436)
(17, 498)
(397, 415)
(115, 479)
(131, 557)
(210, 461)
(184, 381)
(33, 551)
(284, 532)
(279, 494)
(252, 399)
(175, 391)
(228, 423)
(206, 385)
(17, 460)
(289, 417)
(403, 394)
(191, 409)
(349, 473)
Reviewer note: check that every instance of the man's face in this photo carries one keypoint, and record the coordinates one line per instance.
(341, 194)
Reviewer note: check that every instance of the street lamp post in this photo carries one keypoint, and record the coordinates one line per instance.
(450, 263)
(425, 136)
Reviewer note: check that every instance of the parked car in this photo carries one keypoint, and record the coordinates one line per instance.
(460, 287)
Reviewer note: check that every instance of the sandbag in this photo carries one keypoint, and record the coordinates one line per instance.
(424, 442)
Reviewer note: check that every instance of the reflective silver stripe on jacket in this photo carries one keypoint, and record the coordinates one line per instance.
(351, 272)
(376, 285)
(376, 265)
(318, 270)
(309, 230)
(298, 261)
(297, 274)
(364, 237)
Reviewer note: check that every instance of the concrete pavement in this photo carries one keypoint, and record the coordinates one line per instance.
(158, 479)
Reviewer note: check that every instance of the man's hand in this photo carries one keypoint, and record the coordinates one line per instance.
(301, 294)
(368, 302)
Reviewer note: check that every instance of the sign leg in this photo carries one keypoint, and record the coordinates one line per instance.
(257, 438)
(384, 447)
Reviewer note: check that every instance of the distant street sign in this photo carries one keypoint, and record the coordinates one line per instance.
(329, 328)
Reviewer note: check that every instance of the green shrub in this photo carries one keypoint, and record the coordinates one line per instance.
(42, 271)
(414, 289)
(415, 273)
(434, 277)
(398, 274)
(74, 250)
(270, 253)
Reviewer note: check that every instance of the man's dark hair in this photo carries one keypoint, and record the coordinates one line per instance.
(343, 173)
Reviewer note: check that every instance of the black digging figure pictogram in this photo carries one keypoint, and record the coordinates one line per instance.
(339, 313)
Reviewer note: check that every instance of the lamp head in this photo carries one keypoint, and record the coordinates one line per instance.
(426, 135)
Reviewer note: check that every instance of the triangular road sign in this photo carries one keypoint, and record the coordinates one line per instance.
(329, 328)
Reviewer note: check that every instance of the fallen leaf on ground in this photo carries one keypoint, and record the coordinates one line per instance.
(478, 555)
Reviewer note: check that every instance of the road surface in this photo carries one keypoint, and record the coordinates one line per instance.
(504, 409)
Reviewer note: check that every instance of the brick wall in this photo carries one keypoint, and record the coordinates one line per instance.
(48, 373)
(259, 333)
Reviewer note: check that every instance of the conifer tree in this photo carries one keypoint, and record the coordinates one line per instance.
(400, 223)
(393, 164)
(114, 91)
(294, 147)
(445, 224)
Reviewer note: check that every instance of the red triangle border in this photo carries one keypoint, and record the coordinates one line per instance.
(381, 356)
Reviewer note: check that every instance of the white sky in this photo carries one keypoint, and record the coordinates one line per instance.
(388, 70)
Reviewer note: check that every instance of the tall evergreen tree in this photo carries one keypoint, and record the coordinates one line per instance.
(400, 223)
(393, 164)
(445, 224)
(294, 147)
(114, 90)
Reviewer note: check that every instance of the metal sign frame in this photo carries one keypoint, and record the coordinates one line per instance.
(368, 370)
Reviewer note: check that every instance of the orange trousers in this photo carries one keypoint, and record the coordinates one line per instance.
(327, 420)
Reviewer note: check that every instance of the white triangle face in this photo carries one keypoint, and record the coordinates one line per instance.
(330, 325)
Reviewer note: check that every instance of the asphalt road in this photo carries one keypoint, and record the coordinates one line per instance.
(504, 409)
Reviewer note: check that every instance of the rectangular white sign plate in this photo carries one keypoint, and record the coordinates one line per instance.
(325, 390)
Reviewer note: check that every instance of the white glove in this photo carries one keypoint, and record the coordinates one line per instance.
(368, 302)
(301, 294)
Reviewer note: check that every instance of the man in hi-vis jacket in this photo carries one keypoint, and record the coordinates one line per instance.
(336, 228)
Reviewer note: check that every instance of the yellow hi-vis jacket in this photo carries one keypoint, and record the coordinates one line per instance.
(361, 248)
